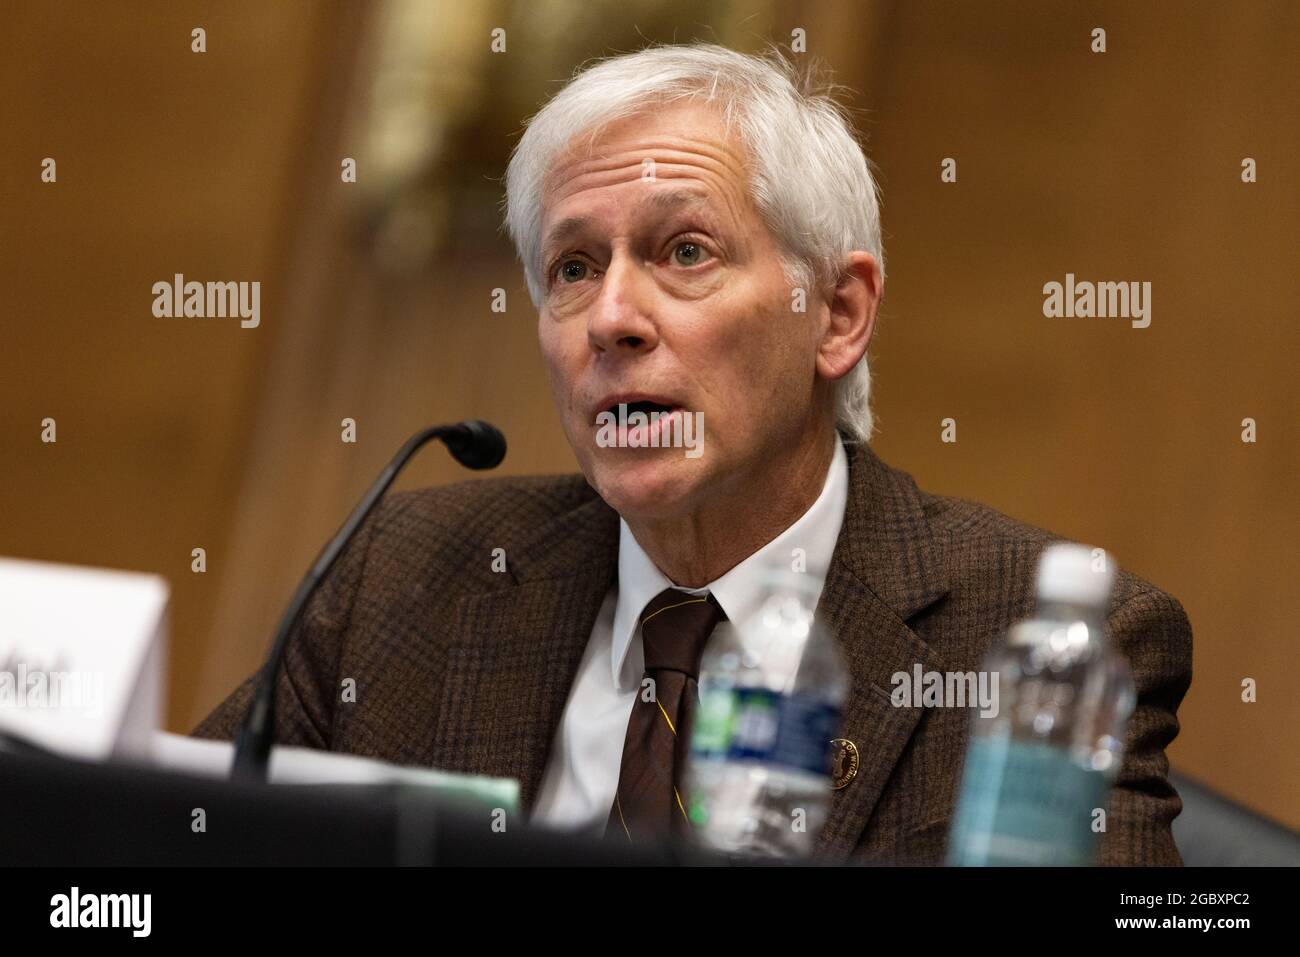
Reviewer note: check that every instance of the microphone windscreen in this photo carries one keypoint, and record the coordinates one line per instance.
(478, 445)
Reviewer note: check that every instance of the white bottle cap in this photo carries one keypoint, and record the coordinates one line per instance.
(1076, 575)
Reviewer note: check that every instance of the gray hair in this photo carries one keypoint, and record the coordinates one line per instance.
(811, 181)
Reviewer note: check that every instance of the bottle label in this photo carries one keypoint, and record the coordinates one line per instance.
(757, 724)
(1025, 803)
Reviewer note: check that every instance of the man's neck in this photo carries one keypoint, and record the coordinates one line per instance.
(701, 546)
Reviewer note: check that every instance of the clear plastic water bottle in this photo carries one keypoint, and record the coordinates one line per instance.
(1038, 773)
(759, 778)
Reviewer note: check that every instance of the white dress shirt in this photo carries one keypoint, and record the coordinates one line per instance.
(582, 773)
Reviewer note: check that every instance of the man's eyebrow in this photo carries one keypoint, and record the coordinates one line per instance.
(660, 200)
(561, 231)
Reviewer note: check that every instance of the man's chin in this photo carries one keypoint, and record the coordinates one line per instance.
(645, 483)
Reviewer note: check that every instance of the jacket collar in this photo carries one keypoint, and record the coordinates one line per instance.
(887, 543)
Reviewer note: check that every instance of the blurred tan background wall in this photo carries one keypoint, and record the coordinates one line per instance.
(376, 295)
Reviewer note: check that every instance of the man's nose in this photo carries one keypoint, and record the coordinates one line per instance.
(620, 320)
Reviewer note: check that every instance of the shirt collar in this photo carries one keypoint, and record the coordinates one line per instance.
(740, 590)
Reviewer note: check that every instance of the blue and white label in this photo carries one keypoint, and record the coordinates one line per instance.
(760, 725)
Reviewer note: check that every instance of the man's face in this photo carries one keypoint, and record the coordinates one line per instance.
(663, 285)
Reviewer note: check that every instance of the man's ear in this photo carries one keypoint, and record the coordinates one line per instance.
(852, 317)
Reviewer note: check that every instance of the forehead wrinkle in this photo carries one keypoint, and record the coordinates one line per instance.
(669, 200)
(618, 152)
(712, 207)
(628, 164)
(660, 201)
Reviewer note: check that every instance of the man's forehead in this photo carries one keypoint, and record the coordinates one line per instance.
(652, 204)
(683, 140)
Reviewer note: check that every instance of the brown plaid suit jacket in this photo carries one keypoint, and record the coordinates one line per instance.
(463, 668)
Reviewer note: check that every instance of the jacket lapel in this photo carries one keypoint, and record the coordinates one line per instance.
(514, 651)
(887, 567)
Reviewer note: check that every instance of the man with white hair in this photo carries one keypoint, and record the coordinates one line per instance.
(700, 233)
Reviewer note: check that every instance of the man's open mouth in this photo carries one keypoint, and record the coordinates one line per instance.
(643, 406)
(622, 407)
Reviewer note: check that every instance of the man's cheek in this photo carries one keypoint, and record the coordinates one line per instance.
(555, 376)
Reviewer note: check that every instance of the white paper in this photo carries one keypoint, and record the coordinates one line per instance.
(82, 657)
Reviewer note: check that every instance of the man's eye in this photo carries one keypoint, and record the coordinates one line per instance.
(572, 270)
(688, 254)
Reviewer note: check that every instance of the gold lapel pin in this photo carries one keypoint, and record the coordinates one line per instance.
(845, 766)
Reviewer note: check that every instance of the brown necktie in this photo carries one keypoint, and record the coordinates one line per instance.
(648, 803)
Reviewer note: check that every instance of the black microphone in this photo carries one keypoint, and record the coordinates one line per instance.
(476, 445)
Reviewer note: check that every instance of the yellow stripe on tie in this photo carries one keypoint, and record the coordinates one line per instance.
(679, 805)
(619, 804)
(692, 601)
(666, 718)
